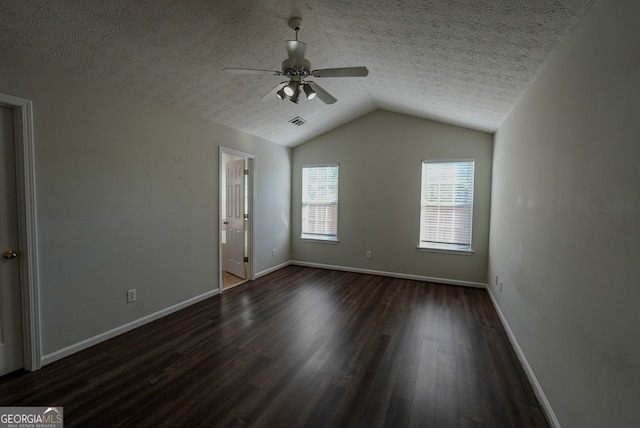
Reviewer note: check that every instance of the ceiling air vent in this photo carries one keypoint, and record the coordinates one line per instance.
(298, 121)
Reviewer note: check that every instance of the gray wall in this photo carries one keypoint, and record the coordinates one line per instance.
(127, 197)
(565, 221)
(380, 158)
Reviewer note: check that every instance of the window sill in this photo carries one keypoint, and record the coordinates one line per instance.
(445, 251)
(321, 240)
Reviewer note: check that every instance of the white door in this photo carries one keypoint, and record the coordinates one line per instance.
(235, 218)
(10, 301)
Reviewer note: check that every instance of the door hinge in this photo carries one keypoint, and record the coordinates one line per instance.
(246, 172)
(246, 259)
(246, 216)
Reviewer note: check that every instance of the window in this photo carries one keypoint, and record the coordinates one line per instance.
(320, 202)
(446, 211)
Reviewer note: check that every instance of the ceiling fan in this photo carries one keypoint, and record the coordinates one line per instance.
(297, 69)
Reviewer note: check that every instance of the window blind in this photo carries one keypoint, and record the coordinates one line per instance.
(320, 202)
(447, 205)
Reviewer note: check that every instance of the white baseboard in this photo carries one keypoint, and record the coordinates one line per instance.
(76, 347)
(537, 389)
(392, 274)
(272, 269)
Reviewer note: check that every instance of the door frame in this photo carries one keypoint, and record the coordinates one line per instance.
(27, 228)
(251, 186)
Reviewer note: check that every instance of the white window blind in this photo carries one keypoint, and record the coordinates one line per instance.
(320, 202)
(447, 205)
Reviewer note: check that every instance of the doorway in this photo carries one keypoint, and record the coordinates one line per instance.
(19, 310)
(236, 217)
(11, 354)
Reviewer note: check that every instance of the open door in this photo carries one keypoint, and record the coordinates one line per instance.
(19, 309)
(237, 183)
(11, 356)
(235, 188)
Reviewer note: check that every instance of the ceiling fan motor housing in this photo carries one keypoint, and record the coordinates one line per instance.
(296, 68)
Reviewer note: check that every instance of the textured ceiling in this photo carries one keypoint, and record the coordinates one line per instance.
(465, 62)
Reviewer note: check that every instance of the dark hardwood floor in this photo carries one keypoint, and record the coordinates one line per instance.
(300, 347)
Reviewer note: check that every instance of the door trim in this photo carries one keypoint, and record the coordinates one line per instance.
(27, 228)
(251, 161)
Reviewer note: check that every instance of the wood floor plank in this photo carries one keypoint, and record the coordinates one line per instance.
(300, 389)
(353, 406)
(326, 408)
(299, 347)
(468, 378)
(398, 412)
(447, 403)
(423, 406)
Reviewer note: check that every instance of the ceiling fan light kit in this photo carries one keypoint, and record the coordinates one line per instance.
(290, 89)
(311, 94)
(296, 68)
(296, 96)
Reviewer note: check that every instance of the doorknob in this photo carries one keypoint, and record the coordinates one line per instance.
(9, 254)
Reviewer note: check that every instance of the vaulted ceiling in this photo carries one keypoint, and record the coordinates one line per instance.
(465, 62)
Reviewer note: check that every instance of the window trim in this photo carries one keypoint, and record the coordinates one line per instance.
(434, 248)
(319, 238)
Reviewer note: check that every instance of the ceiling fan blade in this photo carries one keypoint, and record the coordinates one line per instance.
(296, 50)
(271, 94)
(325, 96)
(341, 72)
(251, 71)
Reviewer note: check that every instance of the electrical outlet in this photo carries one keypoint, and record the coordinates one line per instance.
(131, 295)
(368, 254)
(273, 252)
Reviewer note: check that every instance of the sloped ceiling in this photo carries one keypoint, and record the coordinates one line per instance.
(464, 62)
